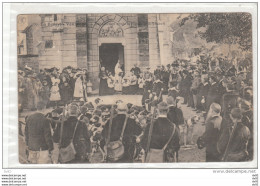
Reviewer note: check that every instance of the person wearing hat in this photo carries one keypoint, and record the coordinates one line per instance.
(136, 70)
(48, 77)
(45, 93)
(133, 88)
(66, 86)
(148, 77)
(185, 85)
(132, 130)
(202, 94)
(234, 136)
(161, 132)
(148, 84)
(73, 125)
(38, 138)
(174, 75)
(213, 94)
(165, 78)
(158, 71)
(30, 92)
(247, 120)
(158, 87)
(212, 131)
(196, 82)
(174, 114)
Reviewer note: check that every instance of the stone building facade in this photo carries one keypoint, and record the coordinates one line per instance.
(94, 40)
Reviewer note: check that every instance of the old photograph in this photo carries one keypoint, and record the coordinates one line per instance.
(135, 88)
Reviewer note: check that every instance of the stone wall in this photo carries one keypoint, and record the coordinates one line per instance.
(81, 40)
(154, 50)
(74, 40)
(28, 60)
(59, 40)
(129, 40)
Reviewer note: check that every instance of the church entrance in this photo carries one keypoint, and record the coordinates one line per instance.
(109, 54)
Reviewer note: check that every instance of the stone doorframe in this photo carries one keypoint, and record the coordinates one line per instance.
(96, 41)
(103, 20)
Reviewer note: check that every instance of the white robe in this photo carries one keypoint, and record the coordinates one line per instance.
(118, 83)
(79, 91)
(118, 69)
(55, 91)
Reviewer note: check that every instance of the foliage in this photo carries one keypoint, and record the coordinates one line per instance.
(229, 28)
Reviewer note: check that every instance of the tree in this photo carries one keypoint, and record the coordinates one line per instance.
(228, 28)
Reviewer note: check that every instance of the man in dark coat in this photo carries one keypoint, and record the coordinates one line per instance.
(195, 88)
(174, 114)
(148, 84)
(185, 85)
(129, 137)
(161, 133)
(48, 77)
(65, 88)
(158, 87)
(165, 78)
(158, 71)
(81, 139)
(234, 136)
(213, 93)
(247, 120)
(38, 138)
(202, 94)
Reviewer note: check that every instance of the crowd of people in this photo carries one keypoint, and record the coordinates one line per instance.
(220, 91)
(50, 88)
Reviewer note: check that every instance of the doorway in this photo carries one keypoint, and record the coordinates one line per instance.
(109, 54)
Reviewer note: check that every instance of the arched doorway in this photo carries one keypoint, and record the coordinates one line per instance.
(111, 45)
(109, 54)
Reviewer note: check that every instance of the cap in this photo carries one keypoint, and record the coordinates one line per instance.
(97, 112)
(121, 106)
(170, 101)
(58, 110)
(73, 110)
(236, 113)
(83, 109)
(162, 106)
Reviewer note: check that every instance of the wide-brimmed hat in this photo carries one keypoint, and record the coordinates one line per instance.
(121, 106)
(162, 106)
(170, 101)
(73, 110)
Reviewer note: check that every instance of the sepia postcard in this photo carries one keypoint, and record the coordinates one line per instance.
(135, 88)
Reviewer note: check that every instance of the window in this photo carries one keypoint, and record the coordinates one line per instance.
(143, 37)
(142, 20)
(55, 17)
(48, 44)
